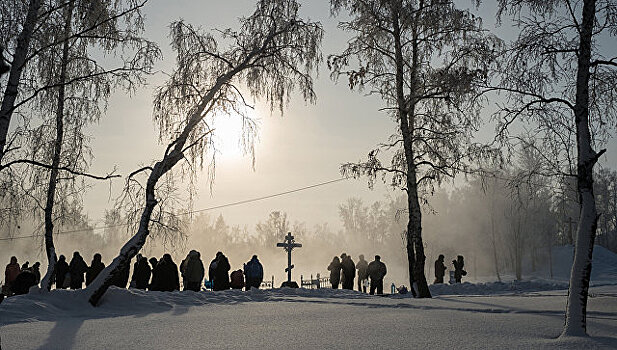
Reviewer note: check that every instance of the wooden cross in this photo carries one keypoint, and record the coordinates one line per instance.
(289, 245)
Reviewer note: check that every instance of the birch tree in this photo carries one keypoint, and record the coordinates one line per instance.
(560, 74)
(83, 85)
(67, 88)
(273, 52)
(424, 59)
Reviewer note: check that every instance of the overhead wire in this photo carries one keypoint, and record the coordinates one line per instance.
(256, 199)
(245, 201)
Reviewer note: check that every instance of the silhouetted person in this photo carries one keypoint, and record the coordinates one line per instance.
(335, 272)
(167, 270)
(77, 268)
(342, 279)
(221, 273)
(36, 270)
(154, 282)
(212, 268)
(254, 273)
(440, 269)
(141, 273)
(349, 271)
(23, 282)
(167, 278)
(121, 279)
(193, 271)
(61, 271)
(376, 271)
(96, 266)
(10, 274)
(25, 266)
(362, 267)
(459, 264)
(183, 266)
(237, 280)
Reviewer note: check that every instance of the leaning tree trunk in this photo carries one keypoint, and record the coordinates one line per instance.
(103, 281)
(53, 175)
(576, 308)
(17, 65)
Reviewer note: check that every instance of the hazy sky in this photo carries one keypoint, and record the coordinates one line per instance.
(304, 147)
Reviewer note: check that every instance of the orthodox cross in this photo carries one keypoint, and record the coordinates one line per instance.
(289, 245)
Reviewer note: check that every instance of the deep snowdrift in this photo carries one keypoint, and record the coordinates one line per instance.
(604, 265)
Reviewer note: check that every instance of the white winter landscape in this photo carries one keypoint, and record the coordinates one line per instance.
(509, 315)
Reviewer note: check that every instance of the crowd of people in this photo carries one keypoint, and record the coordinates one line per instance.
(440, 269)
(164, 275)
(343, 272)
(151, 274)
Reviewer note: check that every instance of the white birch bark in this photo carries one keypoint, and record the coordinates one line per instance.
(576, 309)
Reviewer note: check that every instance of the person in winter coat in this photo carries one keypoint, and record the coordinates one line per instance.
(237, 280)
(96, 266)
(10, 273)
(121, 279)
(167, 275)
(376, 271)
(61, 271)
(23, 282)
(342, 279)
(77, 268)
(458, 268)
(141, 273)
(153, 283)
(254, 273)
(362, 267)
(440, 269)
(183, 266)
(221, 273)
(193, 271)
(212, 267)
(335, 272)
(36, 270)
(349, 272)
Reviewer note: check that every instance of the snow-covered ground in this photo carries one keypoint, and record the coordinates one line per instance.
(307, 319)
(509, 315)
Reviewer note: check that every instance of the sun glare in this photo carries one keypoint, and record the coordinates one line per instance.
(228, 136)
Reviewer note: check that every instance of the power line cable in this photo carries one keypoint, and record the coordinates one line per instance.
(264, 198)
(195, 211)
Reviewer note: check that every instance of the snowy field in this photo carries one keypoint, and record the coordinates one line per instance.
(304, 319)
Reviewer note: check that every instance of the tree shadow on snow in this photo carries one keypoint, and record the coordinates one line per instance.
(63, 335)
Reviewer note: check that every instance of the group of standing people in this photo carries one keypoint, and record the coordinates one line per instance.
(249, 277)
(440, 269)
(152, 274)
(18, 280)
(343, 271)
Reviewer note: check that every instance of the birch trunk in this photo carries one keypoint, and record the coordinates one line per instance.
(494, 244)
(576, 308)
(53, 174)
(17, 65)
(415, 247)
